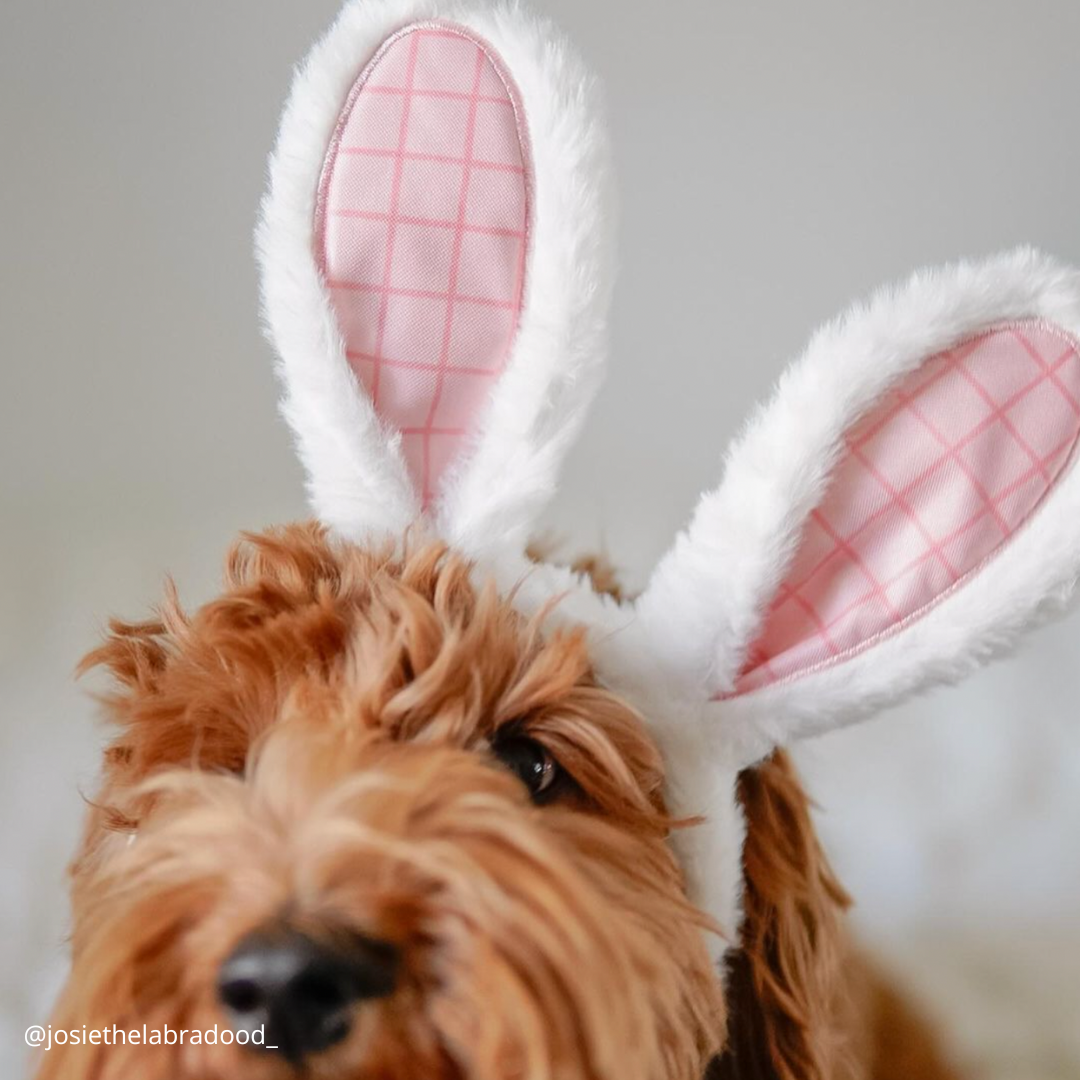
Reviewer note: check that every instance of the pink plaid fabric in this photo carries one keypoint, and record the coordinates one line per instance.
(935, 479)
(423, 223)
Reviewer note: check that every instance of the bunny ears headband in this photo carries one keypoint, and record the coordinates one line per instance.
(435, 250)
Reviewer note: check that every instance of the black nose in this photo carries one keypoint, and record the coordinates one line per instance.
(300, 991)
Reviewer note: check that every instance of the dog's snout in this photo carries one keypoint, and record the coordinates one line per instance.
(299, 991)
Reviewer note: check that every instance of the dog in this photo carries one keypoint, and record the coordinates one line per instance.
(380, 813)
(405, 802)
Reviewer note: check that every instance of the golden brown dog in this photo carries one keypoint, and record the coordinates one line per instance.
(370, 807)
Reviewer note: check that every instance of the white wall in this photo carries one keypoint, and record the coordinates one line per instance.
(775, 160)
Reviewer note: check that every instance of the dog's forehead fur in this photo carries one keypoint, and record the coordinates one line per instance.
(325, 633)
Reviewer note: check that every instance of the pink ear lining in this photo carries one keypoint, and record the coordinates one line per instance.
(422, 230)
(935, 480)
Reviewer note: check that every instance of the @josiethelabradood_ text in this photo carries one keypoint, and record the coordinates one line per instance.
(46, 1037)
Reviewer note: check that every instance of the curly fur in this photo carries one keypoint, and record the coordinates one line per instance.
(786, 975)
(313, 747)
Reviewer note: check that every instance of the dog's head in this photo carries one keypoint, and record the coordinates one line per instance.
(358, 780)
(438, 811)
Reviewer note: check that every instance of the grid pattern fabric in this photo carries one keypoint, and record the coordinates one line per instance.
(422, 231)
(934, 479)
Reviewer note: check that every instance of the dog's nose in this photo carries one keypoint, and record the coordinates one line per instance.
(300, 991)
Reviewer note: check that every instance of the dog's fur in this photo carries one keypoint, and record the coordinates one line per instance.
(315, 747)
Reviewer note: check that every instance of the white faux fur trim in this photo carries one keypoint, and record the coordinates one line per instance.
(711, 852)
(709, 594)
(357, 479)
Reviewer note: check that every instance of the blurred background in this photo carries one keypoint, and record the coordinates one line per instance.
(775, 161)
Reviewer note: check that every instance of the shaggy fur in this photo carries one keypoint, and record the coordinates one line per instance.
(803, 1003)
(315, 747)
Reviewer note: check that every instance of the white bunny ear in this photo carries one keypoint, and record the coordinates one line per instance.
(435, 254)
(906, 505)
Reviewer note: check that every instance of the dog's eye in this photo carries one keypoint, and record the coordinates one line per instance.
(530, 762)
